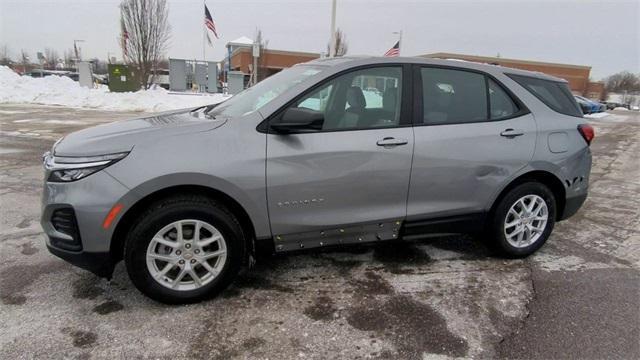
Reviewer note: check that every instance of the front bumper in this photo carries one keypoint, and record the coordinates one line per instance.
(99, 263)
(90, 200)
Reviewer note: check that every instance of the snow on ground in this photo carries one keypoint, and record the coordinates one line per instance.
(609, 118)
(597, 115)
(60, 90)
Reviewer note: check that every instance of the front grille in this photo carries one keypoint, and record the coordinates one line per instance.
(64, 221)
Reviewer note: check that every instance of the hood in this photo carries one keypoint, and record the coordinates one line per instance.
(122, 136)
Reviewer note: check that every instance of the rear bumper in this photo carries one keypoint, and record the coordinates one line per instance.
(99, 263)
(572, 206)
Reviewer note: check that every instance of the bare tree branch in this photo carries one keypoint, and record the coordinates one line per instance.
(341, 44)
(51, 57)
(5, 55)
(622, 81)
(144, 36)
(68, 58)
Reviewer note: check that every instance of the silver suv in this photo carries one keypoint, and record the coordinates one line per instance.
(334, 151)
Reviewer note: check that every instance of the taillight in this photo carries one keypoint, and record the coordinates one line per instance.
(587, 132)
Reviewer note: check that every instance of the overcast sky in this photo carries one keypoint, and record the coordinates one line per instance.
(604, 35)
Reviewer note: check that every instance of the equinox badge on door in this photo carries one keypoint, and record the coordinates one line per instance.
(300, 202)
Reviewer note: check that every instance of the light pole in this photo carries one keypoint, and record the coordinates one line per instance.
(332, 44)
(78, 52)
(255, 51)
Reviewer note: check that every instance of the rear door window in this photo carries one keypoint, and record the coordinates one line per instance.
(453, 96)
(500, 103)
(554, 94)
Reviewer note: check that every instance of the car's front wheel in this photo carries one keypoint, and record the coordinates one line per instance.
(523, 219)
(184, 249)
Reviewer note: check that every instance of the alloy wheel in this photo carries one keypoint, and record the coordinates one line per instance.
(526, 220)
(186, 255)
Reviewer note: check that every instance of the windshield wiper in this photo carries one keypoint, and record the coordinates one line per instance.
(204, 110)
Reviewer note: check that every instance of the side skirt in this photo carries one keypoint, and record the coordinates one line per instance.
(375, 232)
(352, 234)
(458, 224)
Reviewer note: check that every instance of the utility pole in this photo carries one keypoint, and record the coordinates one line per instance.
(256, 53)
(77, 52)
(332, 45)
(204, 31)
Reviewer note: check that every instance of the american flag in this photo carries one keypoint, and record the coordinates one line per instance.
(394, 51)
(208, 22)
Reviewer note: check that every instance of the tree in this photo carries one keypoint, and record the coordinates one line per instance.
(5, 56)
(69, 56)
(605, 93)
(341, 44)
(99, 66)
(51, 57)
(144, 36)
(24, 60)
(163, 64)
(622, 81)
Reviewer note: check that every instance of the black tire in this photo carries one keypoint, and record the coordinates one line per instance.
(498, 240)
(163, 213)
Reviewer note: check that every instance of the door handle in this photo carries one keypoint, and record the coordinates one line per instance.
(511, 133)
(390, 141)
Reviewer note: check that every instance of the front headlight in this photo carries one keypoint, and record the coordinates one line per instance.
(72, 168)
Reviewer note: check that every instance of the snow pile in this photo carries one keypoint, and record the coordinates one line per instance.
(61, 90)
(597, 115)
(620, 108)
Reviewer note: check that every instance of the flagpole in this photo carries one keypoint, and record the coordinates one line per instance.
(204, 30)
(332, 45)
(399, 40)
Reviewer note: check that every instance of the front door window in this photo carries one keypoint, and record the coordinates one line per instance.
(362, 99)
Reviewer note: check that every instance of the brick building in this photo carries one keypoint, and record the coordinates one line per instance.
(273, 61)
(576, 75)
(270, 62)
(240, 58)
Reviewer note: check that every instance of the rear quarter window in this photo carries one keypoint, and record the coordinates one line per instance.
(554, 94)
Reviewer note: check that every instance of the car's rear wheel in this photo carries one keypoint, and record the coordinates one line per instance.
(523, 220)
(184, 249)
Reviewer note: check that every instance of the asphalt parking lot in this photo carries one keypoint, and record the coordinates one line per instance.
(443, 297)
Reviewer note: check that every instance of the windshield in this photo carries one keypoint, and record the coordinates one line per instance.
(257, 96)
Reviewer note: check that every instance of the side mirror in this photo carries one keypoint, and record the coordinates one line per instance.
(298, 120)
